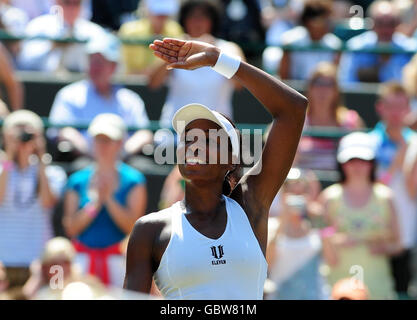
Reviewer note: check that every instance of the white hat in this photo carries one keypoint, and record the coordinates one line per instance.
(109, 124)
(23, 118)
(105, 43)
(356, 145)
(163, 7)
(58, 248)
(194, 111)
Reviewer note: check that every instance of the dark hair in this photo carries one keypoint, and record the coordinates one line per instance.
(233, 177)
(314, 9)
(210, 8)
(342, 176)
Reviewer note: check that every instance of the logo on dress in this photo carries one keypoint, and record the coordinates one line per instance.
(218, 253)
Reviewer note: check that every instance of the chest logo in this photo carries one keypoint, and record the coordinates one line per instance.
(218, 253)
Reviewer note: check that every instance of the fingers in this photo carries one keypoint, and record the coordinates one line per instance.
(176, 42)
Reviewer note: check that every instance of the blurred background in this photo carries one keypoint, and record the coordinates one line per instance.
(84, 105)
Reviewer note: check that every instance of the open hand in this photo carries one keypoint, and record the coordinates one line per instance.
(187, 55)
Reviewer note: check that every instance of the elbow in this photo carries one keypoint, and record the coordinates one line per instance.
(302, 103)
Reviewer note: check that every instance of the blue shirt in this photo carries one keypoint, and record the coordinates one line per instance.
(103, 231)
(385, 148)
(391, 70)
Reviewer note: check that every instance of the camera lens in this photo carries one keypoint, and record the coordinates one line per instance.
(25, 136)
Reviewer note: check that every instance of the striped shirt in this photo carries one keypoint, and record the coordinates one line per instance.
(25, 225)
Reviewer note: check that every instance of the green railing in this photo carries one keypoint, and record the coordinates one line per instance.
(317, 131)
(379, 49)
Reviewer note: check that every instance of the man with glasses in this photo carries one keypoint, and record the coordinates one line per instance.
(371, 67)
(64, 22)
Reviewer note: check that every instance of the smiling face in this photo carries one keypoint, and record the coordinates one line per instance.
(204, 153)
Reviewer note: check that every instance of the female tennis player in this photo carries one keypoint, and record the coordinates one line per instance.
(211, 245)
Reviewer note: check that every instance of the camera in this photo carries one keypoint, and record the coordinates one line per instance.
(25, 136)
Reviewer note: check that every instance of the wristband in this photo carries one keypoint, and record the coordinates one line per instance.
(91, 210)
(227, 65)
(7, 165)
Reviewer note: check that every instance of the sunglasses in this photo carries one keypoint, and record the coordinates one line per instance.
(328, 83)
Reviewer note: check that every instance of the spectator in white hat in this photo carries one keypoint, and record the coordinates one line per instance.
(103, 201)
(29, 190)
(157, 21)
(361, 218)
(46, 55)
(79, 102)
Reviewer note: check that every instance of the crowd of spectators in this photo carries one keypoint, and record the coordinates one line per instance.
(353, 238)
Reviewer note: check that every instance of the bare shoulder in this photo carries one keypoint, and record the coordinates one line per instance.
(152, 223)
(151, 235)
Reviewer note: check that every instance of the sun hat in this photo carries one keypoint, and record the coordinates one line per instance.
(194, 111)
(108, 124)
(356, 145)
(105, 43)
(23, 118)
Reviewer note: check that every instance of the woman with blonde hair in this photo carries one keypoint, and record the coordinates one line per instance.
(325, 111)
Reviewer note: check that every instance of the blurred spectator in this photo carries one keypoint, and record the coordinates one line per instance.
(33, 8)
(302, 182)
(157, 22)
(391, 138)
(350, 289)
(29, 190)
(12, 19)
(54, 269)
(112, 14)
(279, 17)
(285, 17)
(200, 20)
(8, 78)
(48, 55)
(371, 67)
(315, 28)
(4, 111)
(241, 22)
(295, 252)
(103, 202)
(325, 111)
(79, 102)
(409, 81)
(362, 219)
(408, 15)
(4, 283)
(172, 190)
(410, 168)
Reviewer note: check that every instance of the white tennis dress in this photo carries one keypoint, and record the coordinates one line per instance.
(196, 267)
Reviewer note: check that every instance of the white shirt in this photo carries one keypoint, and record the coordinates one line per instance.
(13, 19)
(303, 63)
(195, 267)
(40, 55)
(25, 225)
(80, 103)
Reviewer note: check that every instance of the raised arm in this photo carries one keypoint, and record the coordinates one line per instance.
(287, 107)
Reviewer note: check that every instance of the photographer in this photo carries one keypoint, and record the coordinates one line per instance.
(296, 250)
(29, 190)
